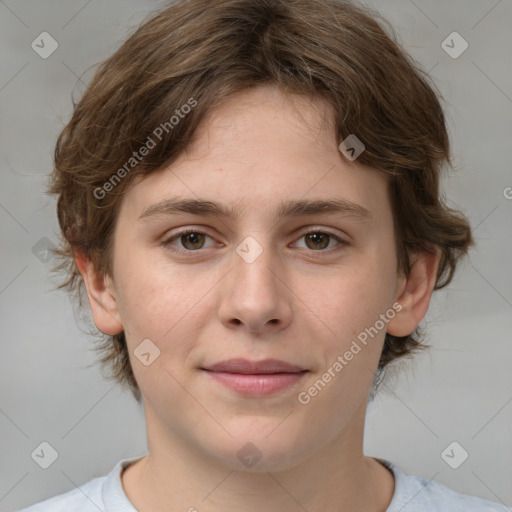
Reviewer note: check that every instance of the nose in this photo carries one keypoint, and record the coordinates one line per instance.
(255, 294)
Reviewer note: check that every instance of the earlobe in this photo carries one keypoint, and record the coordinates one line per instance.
(102, 299)
(415, 293)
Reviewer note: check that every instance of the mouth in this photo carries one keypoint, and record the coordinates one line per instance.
(255, 378)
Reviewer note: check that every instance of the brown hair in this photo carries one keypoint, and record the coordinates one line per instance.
(203, 51)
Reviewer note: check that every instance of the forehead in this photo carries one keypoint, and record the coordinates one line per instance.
(266, 115)
(258, 148)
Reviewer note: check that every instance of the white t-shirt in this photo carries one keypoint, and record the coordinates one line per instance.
(412, 494)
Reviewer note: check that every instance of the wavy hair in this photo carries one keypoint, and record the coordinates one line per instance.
(333, 50)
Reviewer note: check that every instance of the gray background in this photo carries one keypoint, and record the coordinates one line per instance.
(461, 390)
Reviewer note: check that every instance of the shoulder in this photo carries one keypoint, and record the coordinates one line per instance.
(103, 493)
(86, 498)
(416, 494)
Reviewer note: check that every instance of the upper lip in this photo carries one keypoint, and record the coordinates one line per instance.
(245, 366)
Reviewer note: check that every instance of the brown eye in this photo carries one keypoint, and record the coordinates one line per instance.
(321, 241)
(192, 240)
(317, 240)
(188, 241)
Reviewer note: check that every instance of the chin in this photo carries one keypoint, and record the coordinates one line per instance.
(264, 451)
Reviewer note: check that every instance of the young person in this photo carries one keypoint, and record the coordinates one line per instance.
(248, 193)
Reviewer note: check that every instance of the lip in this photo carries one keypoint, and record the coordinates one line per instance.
(255, 378)
(244, 366)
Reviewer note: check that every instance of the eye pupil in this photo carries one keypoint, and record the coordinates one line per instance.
(318, 237)
(193, 238)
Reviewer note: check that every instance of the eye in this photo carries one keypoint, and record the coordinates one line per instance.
(191, 240)
(319, 240)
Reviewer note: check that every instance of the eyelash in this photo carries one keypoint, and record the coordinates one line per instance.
(168, 242)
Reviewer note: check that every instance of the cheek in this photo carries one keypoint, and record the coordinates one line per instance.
(162, 303)
(350, 340)
(150, 287)
(350, 305)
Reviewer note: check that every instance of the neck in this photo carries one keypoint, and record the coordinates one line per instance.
(177, 476)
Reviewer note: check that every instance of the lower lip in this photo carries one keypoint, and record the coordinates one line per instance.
(256, 385)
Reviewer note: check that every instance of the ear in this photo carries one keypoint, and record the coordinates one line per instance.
(102, 299)
(414, 293)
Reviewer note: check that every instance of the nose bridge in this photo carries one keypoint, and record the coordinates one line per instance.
(253, 261)
(254, 295)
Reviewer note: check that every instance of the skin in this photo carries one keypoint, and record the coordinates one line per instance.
(298, 301)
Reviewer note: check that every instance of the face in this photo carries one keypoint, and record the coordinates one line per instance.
(299, 288)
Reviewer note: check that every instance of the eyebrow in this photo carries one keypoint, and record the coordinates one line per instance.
(292, 208)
